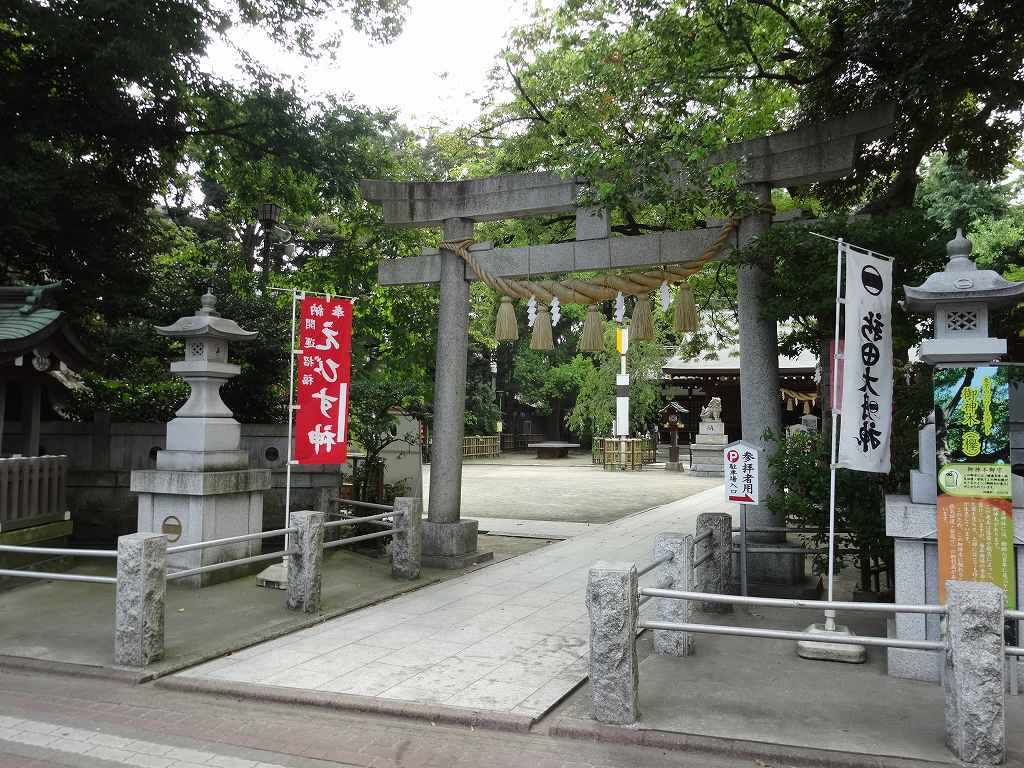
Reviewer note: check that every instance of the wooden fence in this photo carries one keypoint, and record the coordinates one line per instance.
(639, 451)
(480, 447)
(33, 491)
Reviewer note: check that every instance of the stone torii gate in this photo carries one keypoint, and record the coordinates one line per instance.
(816, 153)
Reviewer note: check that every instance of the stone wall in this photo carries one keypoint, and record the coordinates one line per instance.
(102, 455)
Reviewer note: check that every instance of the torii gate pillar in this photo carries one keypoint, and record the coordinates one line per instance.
(759, 393)
(448, 541)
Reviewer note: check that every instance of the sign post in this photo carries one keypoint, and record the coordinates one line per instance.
(742, 485)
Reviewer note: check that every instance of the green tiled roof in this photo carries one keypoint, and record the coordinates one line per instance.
(28, 317)
(15, 325)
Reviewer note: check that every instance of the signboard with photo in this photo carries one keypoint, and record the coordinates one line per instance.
(975, 487)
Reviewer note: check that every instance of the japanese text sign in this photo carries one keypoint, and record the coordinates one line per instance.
(323, 372)
(866, 413)
(741, 473)
(974, 506)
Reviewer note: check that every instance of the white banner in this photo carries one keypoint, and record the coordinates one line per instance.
(866, 415)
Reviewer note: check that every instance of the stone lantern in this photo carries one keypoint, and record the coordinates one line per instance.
(959, 299)
(202, 487)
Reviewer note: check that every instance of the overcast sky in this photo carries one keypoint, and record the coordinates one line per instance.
(434, 69)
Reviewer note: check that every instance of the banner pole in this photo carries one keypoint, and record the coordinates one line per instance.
(291, 412)
(830, 616)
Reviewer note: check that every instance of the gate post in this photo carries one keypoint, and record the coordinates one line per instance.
(715, 575)
(305, 566)
(679, 575)
(139, 600)
(974, 683)
(614, 670)
(406, 544)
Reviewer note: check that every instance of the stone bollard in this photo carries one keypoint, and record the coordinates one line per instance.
(715, 575)
(139, 604)
(974, 678)
(305, 567)
(407, 543)
(677, 574)
(614, 670)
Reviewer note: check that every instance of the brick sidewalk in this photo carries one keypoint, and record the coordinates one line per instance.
(167, 729)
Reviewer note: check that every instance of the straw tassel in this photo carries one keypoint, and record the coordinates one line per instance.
(685, 317)
(641, 326)
(541, 339)
(592, 338)
(505, 326)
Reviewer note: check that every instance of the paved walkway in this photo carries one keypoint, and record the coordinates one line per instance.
(571, 490)
(512, 637)
(534, 529)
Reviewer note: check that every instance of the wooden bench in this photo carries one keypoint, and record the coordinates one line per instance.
(552, 449)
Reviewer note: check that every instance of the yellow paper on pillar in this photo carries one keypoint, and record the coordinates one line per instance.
(622, 340)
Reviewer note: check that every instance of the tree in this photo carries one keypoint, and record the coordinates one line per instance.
(101, 102)
(627, 86)
(595, 406)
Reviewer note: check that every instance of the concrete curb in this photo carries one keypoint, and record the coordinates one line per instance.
(586, 730)
(435, 713)
(48, 667)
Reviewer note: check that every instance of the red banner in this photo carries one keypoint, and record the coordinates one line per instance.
(323, 373)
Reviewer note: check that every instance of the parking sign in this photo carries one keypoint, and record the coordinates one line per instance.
(741, 475)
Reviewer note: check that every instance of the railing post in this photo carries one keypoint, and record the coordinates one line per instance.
(974, 683)
(139, 603)
(407, 543)
(614, 670)
(715, 574)
(305, 566)
(678, 574)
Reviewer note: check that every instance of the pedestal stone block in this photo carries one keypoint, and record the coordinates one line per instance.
(451, 545)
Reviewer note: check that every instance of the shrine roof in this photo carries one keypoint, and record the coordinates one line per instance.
(29, 319)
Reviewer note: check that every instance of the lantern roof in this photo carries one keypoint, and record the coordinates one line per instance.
(961, 282)
(672, 405)
(206, 322)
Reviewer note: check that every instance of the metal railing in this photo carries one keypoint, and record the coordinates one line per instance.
(779, 634)
(230, 540)
(57, 552)
(971, 644)
(388, 514)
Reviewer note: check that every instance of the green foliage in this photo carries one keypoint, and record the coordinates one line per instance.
(799, 469)
(953, 197)
(802, 284)
(595, 406)
(104, 101)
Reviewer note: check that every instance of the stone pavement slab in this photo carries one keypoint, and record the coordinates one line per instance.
(576, 491)
(534, 529)
(512, 637)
